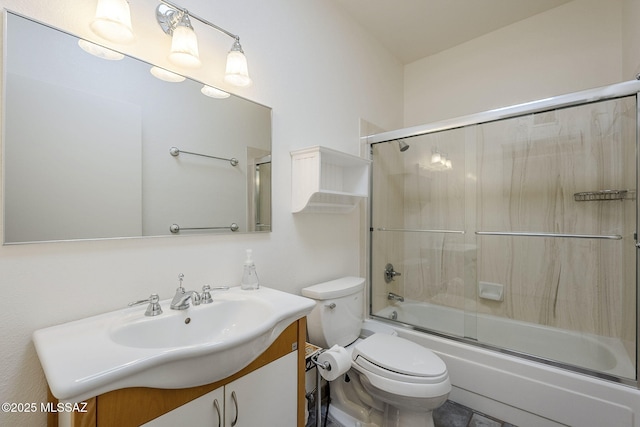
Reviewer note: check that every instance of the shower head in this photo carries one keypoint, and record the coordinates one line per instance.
(403, 146)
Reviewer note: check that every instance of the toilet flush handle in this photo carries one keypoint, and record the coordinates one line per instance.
(331, 306)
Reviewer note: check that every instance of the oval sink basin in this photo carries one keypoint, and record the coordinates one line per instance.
(177, 349)
(219, 321)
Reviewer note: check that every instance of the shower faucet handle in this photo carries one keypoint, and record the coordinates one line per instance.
(390, 273)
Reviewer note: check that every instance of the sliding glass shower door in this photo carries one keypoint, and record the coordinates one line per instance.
(516, 233)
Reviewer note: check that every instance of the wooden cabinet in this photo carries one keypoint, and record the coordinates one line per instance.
(270, 391)
(266, 396)
(207, 410)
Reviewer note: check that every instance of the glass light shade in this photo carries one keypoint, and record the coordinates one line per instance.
(166, 75)
(237, 72)
(184, 47)
(213, 92)
(100, 51)
(435, 158)
(113, 21)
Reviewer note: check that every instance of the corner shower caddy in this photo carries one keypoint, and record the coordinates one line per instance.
(328, 181)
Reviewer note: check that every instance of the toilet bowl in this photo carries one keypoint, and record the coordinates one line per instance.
(392, 381)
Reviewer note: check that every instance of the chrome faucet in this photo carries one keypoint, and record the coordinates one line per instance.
(181, 298)
(395, 297)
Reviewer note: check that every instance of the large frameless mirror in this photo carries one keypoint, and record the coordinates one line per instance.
(96, 148)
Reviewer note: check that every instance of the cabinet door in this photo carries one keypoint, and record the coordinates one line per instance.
(207, 410)
(265, 397)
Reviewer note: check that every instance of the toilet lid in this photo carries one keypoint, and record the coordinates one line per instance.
(391, 353)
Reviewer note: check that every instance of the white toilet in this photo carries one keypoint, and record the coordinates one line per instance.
(392, 381)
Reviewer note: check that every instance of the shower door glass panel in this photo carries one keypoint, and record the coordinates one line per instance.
(556, 216)
(523, 241)
(418, 219)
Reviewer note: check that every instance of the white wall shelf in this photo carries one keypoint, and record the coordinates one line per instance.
(328, 181)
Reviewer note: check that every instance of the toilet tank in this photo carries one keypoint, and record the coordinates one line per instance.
(339, 311)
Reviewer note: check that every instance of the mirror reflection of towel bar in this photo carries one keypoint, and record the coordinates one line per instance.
(175, 152)
(175, 228)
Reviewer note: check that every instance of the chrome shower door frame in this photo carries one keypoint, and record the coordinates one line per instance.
(630, 88)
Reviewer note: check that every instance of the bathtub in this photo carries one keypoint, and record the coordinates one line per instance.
(592, 352)
(519, 390)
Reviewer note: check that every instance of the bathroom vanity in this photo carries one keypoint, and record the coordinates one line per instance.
(270, 388)
(233, 358)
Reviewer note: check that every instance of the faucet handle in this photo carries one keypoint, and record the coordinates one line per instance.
(390, 273)
(206, 293)
(153, 309)
(180, 278)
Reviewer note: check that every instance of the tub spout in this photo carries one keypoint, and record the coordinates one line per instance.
(395, 297)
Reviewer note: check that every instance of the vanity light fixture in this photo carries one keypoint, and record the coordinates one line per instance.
(184, 42)
(237, 71)
(113, 21)
(100, 51)
(213, 92)
(166, 75)
(176, 22)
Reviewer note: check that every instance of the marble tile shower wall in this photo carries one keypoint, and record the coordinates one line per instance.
(527, 183)
(515, 175)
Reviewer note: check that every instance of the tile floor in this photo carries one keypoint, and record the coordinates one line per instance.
(451, 414)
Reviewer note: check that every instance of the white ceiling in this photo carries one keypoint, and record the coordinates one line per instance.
(414, 29)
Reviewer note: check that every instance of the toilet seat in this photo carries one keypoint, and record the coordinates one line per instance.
(398, 359)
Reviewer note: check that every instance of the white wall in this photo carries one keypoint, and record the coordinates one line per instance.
(313, 67)
(579, 45)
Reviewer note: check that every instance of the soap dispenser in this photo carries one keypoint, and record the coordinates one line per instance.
(249, 277)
